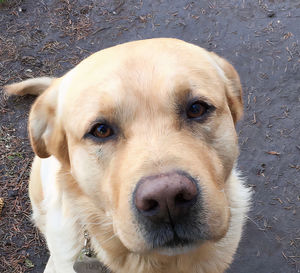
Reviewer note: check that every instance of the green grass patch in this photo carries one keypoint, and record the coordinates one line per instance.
(14, 155)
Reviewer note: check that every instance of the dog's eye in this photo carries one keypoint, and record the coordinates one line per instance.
(101, 130)
(197, 109)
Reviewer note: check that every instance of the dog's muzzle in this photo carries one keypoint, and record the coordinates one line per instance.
(168, 208)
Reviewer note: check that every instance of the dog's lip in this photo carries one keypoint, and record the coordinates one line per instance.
(178, 246)
(175, 241)
(178, 249)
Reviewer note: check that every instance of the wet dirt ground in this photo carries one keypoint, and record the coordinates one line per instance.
(260, 38)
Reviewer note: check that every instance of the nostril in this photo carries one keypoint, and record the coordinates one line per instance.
(150, 205)
(183, 199)
(179, 199)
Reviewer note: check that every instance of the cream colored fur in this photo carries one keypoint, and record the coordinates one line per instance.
(77, 184)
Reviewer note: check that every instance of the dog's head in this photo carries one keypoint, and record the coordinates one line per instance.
(147, 131)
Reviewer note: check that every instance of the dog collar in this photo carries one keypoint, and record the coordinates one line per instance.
(87, 261)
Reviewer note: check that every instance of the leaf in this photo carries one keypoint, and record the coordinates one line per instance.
(1, 205)
(29, 263)
(273, 153)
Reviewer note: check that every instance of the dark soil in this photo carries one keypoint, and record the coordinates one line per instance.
(259, 37)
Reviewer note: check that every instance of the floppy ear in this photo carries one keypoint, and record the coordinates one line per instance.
(47, 135)
(233, 87)
(35, 86)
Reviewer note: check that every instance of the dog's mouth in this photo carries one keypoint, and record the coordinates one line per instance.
(167, 241)
(177, 250)
(177, 246)
(177, 242)
(173, 238)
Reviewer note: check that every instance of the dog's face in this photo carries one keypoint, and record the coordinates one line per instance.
(147, 132)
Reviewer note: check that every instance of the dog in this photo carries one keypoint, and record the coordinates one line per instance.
(136, 146)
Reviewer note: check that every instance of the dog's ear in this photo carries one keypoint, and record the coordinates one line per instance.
(46, 134)
(35, 86)
(233, 87)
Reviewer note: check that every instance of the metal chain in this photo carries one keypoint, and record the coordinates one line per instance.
(87, 250)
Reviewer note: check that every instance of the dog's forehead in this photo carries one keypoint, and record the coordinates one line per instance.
(140, 70)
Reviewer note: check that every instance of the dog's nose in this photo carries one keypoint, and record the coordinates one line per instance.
(165, 197)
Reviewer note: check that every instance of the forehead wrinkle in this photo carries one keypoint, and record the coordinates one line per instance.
(118, 109)
(197, 86)
(140, 85)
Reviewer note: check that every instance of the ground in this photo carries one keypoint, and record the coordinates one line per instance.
(260, 38)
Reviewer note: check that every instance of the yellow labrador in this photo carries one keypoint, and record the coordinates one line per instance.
(136, 146)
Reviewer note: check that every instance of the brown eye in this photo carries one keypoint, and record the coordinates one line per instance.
(101, 131)
(197, 109)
